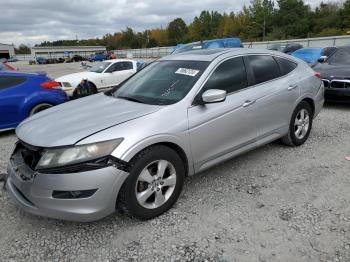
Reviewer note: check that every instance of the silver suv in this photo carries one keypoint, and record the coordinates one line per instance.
(132, 147)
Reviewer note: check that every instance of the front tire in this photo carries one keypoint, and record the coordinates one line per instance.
(300, 125)
(154, 183)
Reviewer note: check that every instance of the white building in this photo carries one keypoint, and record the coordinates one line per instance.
(64, 51)
(6, 51)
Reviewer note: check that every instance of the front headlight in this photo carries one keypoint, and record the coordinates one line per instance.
(76, 154)
(66, 84)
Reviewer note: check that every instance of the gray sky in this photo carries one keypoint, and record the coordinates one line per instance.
(34, 21)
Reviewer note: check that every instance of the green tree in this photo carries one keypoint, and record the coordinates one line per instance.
(293, 17)
(206, 25)
(261, 18)
(345, 16)
(22, 49)
(326, 19)
(177, 30)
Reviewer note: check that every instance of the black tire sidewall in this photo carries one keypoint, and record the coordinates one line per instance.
(303, 105)
(34, 111)
(145, 158)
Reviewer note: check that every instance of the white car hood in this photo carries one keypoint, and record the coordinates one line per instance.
(76, 78)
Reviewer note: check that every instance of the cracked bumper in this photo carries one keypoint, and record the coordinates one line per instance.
(34, 195)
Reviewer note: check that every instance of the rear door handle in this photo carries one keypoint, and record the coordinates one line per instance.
(248, 103)
(292, 86)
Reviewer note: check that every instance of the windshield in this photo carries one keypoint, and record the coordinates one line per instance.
(99, 68)
(309, 55)
(277, 47)
(308, 51)
(341, 56)
(162, 83)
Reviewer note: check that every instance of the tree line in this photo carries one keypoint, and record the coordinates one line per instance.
(260, 20)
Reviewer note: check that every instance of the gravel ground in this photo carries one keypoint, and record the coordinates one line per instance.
(273, 204)
(53, 70)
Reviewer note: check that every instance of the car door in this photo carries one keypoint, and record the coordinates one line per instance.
(118, 72)
(220, 130)
(276, 94)
(11, 99)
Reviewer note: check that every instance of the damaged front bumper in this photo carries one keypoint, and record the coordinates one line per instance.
(87, 194)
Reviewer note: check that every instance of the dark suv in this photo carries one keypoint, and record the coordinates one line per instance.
(335, 73)
(285, 48)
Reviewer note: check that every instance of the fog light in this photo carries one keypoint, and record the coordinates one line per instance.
(73, 194)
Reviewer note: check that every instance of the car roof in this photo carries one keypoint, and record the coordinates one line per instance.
(26, 74)
(119, 60)
(343, 47)
(211, 54)
(310, 48)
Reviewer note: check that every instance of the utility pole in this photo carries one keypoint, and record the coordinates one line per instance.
(264, 25)
(264, 29)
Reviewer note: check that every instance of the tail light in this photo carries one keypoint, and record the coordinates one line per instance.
(318, 75)
(50, 85)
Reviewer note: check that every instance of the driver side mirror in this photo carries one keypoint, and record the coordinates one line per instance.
(213, 96)
(322, 59)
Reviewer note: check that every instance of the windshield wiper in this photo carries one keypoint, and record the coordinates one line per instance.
(130, 99)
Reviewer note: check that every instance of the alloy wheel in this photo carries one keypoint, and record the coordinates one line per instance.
(155, 184)
(301, 123)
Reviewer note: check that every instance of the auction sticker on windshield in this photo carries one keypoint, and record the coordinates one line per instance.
(187, 71)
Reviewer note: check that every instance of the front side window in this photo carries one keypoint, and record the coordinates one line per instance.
(162, 82)
(264, 68)
(229, 76)
(10, 81)
(120, 66)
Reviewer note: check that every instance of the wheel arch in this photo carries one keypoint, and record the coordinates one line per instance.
(32, 106)
(179, 150)
(311, 102)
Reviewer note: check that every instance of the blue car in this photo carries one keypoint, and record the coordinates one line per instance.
(24, 94)
(207, 44)
(312, 54)
(97, 57)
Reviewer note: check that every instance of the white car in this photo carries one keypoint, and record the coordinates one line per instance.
(103, 75)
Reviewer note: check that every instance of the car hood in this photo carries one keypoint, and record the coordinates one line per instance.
(77, 77)
(71, 122)
(330, 71)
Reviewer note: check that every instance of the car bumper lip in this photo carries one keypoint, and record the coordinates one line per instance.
(35, 195)
(337, 94)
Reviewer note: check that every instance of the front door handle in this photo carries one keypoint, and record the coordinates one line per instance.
(248, 103)
(292, 86)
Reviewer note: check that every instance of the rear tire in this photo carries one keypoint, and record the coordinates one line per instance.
(40, 107)
(300, 125)
(154, 183)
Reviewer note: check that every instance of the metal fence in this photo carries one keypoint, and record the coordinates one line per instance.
(156, 52)
(25, 57)
(306, 42)
(153, 52)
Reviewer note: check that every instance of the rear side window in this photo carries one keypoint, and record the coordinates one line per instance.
(286, 66)
(230, 76)
(10, 81)
(264, 68)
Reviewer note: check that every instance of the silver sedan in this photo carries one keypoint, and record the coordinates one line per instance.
(132, 147)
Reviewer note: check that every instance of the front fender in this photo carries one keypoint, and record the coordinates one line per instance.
(126, 152)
